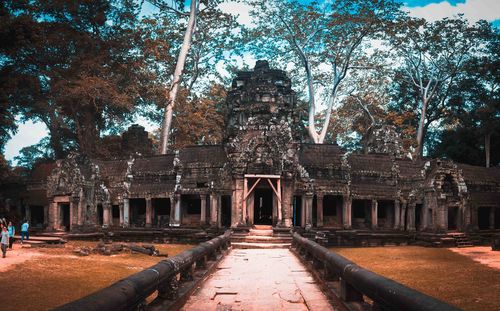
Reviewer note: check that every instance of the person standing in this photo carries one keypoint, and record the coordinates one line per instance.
(12, 231)
(4, 240)
(24, 231)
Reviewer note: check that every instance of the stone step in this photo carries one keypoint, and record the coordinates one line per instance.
(263, 227)
(261, 239)
(261, 232)
(246, 245)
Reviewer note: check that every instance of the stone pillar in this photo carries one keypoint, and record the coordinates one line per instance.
(492, 217)
(203, 210)
(397, 215)
(121, 213)
(410, 216)
(287, 203)
(319, 210)
(308, 205)
(237, 217)
(126, 212)
(303, 211)
(176, 219)
(46, 215)
(149, 212)
(374, 214)
(27, 209)
(214, 209)
(73, 208)
(106, 214)
(79, 211)
(54, 216)
(251, 207)
(346, 212)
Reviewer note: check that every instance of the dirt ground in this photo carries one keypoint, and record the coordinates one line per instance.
(460, 277)
(43, 278)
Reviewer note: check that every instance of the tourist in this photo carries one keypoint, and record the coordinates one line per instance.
(12, 231)
(24, 231)
(5, 240)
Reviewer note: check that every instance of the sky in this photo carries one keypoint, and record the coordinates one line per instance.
(31, 133)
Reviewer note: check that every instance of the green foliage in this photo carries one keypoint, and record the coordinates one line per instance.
(29, 156)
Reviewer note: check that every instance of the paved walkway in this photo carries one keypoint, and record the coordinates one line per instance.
(259, 279)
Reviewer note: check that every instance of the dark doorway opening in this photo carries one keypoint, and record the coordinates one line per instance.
(385, 213)
(418, 216)
(497, 218)
(332, 210)
(161, 212)
(225, 217)
(100, 214)
(115, 214)
(37, 216)
(138, 212)
(64, 214)
(263, 207)
(361, 211)
(191, 209)
(452, 218)
(297, 210)
(483, 218)
(315, 211)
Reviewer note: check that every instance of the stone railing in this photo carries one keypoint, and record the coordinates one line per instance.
(161, 279)
(349, 283)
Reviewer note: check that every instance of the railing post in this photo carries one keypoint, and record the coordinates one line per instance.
(187, 274)
(169, 289)
(349, 293)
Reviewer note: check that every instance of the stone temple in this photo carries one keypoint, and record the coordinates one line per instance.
(263, 173)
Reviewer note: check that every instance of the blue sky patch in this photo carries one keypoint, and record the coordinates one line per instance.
(415, 3)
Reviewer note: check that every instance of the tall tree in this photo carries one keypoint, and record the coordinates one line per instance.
(324, 42)
(80, 62)
(432, 55)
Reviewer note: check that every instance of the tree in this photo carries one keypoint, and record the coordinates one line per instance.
(76, 66)
(323, 42)
(432, 55)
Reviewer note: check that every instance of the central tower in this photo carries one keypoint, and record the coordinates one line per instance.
(261, 145)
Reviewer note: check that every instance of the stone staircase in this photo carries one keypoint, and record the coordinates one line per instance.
(261, 236)
(461, 239)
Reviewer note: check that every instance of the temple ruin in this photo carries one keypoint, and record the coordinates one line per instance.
(263, 173)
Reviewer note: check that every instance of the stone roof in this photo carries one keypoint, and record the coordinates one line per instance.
(156, 165)
(203, 156)
(479, 174)
(320, 155)
(380, 164)
(41, 171)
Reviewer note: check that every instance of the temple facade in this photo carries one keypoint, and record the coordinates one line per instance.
(264, 173)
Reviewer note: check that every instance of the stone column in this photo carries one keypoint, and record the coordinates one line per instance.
(374, 214)
(106, 214)
(397, 215)
(54, 216)
(308, 205)
(79, 212)
(287, 203)
(237, 213)
(203, 210)
(492, 217)
(175, 221)
(126, 212)
(251, 207)
(121, 213)
(149, 212)
(73, 207)
(214, 208)
(303, 211)
(319, 210)
(46, 215)
(27, 210)
(410, 216)
(346, 212)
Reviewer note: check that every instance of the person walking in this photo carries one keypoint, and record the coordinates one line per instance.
(4, 240)
(24, 231)
(12, 231)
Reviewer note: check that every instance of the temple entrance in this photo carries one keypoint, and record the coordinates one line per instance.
(37, 216)
(263, 206)
(452, 218)
(297, 211)
(483, 218)
(64, 214)
(225, 206)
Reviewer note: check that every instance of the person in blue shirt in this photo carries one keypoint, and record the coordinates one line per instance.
(12, 231)
(24, 231)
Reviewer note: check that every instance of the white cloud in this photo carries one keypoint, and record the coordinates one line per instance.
(473, 10)
(240, 9)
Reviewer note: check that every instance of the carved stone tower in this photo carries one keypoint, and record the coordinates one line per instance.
(261, 145)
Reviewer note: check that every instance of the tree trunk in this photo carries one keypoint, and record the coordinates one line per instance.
(181, 60)
(420, 131)
(487, 148)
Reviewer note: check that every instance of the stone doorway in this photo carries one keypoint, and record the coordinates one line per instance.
(64, 216)
(225, 215)
(452, 218)
(263, 206)
(297, 211)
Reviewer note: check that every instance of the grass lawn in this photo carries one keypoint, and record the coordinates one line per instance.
(58, 276)
(437, 272)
